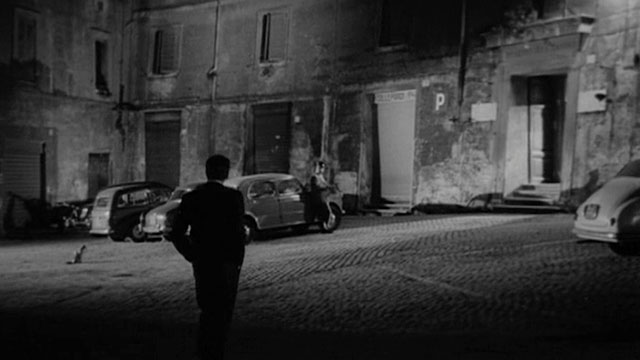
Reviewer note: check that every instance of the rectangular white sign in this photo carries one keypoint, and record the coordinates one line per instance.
(484, 111)
(592, 101)
(396, 96)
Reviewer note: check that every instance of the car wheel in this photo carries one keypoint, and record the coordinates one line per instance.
(250, 230)
(625, 249)
(137, 235)
(333, 221)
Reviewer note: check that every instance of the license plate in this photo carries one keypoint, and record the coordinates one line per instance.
(591, 211)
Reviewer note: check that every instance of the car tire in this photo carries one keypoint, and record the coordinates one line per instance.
(625, 249)
(137, 235)
(250, 230)
(333, 222)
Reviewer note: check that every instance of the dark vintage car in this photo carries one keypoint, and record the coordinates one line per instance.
(272, 201)
(612, 213)
(117, 208)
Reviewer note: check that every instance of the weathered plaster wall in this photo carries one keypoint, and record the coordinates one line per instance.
(61, 98)
(454, 159)
(196, 26)
(230, 135)
(83, 127)
(306, 137)
(606, 140)
(195, 142)
(307, 66)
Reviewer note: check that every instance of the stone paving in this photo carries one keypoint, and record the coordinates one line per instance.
(450, 287)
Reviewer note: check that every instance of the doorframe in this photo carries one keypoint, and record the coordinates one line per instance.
(375, 167)
(506, 100)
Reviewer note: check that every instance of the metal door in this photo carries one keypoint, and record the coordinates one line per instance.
(163, 148)
(396, 122)
(271, 137)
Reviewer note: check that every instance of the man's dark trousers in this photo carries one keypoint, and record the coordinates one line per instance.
(216, 289)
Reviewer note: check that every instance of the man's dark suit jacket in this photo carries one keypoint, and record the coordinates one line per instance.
(214, 213)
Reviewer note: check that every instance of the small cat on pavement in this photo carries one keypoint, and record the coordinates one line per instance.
(77, 255)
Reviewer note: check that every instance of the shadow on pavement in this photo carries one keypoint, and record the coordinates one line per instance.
(53, 337)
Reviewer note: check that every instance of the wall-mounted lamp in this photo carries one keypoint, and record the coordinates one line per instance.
(602, 97)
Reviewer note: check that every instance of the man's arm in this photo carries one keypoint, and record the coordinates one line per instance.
(175, 231)
(237, 216)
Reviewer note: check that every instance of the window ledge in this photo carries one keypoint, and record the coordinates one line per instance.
(391, 48)
(153, 76)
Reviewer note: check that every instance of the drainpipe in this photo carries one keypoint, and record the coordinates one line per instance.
(462, 70)
(212, 73)
(462, 53)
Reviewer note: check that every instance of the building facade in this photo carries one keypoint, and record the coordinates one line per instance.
(408, 103)
(60, 73)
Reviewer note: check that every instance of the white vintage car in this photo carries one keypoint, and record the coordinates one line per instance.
(612, 213)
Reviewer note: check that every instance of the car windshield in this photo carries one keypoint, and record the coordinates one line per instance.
(632, 169)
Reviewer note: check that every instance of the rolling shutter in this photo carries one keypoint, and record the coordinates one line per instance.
(163, 149)
(272, 139)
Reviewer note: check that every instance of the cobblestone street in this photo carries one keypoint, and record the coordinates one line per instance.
(443, 287)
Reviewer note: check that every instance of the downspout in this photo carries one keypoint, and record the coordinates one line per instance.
(214, 68)
(462, 71)
(212, 74)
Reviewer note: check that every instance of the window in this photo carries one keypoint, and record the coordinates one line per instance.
(100, 68)
(262, 189)
(289, 187)
(133, 198)
(24, 45)
(273, 37)
(166, 51)
(395, 25)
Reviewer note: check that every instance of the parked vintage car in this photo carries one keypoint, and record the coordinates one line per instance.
(153, 222)
(117, 208)
(612, 213)
(272, 201)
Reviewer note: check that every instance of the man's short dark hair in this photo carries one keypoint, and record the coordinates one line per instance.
(217, 167)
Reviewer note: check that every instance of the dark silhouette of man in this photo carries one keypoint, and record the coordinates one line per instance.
(212, 214)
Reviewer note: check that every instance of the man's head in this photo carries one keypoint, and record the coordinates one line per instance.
(217, 167)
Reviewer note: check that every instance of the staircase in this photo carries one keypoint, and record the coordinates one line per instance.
(533, 196)
(390, 209)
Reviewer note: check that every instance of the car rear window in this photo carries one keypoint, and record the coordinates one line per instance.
(632, 169)
(102, 202)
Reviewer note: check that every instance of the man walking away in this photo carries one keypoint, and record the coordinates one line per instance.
(215, 247)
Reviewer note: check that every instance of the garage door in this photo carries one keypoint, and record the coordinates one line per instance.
(272, 139)
(163, 148)
(22, 167)
(396, 121)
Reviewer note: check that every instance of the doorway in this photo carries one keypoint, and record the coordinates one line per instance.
(98, 173)
(395, 113)
(535, 131)
(271, 138)
(162, 153)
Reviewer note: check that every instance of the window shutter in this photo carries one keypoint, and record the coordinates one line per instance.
(166, 51)
(278, 36)
(26, 39)
(169, 51)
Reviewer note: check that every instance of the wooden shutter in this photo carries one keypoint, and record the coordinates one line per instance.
(278, 36)
(166, 51)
